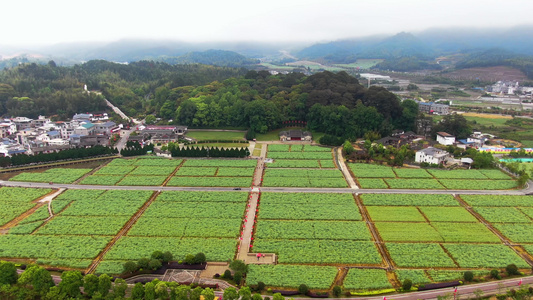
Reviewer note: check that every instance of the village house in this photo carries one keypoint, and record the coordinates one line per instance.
(431, 155)
(295, 135)
(444, 138)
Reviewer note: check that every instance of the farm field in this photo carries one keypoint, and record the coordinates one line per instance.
(302, 166)
(437, 228)
(201, 135)
(58, 175)
(313, 234)
(372, 176)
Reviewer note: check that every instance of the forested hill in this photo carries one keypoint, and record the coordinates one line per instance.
(32, 89)
(208, 96)
(212, 57)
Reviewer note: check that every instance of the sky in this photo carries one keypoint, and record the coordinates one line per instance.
(38, 22)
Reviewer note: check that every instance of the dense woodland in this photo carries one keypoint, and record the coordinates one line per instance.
(207, 97)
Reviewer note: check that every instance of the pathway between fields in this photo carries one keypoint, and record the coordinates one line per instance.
(344, 169)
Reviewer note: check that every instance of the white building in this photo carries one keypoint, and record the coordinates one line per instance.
(431, 155)
(444, 138)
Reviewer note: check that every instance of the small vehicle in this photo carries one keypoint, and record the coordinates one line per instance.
(237, 189)
(50, 183)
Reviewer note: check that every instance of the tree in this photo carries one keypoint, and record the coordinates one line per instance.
(230, 294)
(167, 256)
(149, 291)
(495, 274)
(196, 293)
(260, 286)
(278, 296)
(337, 291)
(143, 263)
(483, 160)
(468, 276)
(237, 277)
(227, 274)
(70, 284)
(150, 119)
(412, 87)
(199, 258)
(407, 284)
(119, 288)
(303, 289)
(245, 293)
(208, 294)
(348, 148)
(154, 264)
(129, 267)
(90, 284)
(238, 265)
(38, 277)
(512, 269)
(157, 255)
(104, 284)
(454, 124)
(257, 296)
(161, 290)
(138, 291)
(8, 273)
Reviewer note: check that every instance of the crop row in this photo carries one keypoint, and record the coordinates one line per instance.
(301, 163)
(311, 173)
(15, 201)
(185, 227)
(414, 214)
(435, 232)
(304, 182)
(146, 161)
(499, 200)
(298, 229)
(409, 199)
(308, 198)
(235, 163)
(58, 175)
(67, 225)
(315, 277)
(300, 211)
(166, 209)
(210, 181)
(300, 155)
(320, 251)
(201, 197)
(212, 171)
(134, 248)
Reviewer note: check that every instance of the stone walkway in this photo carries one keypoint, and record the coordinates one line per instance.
(345, 170)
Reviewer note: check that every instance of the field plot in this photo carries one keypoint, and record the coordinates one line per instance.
(15, 201)
(214, 172)
(320, 251)
(408, 199)
(373, 176)
(146, 171)
(315, 277)
(57, 175)
(84, 222)
(314, 228)
(416, 276)
(183, 223)
(303, 166)
(484, 256)
(427, 255)
(361, 279)
(498, 200)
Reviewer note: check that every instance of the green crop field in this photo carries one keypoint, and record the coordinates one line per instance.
(216, 135)
(361, 279)
(315, 277)
(57, 175)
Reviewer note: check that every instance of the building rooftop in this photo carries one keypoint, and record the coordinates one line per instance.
(444, 134)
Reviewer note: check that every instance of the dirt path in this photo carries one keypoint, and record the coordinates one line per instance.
(344, 169)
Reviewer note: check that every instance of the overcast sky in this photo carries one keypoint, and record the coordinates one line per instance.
(32, 22)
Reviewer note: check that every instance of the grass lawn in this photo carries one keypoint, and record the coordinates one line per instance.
(215, 135)
(274, 135)
(223, 145)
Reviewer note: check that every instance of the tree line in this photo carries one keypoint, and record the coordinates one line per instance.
(74, 153)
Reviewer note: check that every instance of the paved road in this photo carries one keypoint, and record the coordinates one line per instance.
(266, 189)
(124, 138)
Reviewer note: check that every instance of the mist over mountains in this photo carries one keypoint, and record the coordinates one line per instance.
(427, 44)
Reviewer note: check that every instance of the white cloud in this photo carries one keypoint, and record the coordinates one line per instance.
(53, 21)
